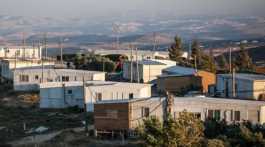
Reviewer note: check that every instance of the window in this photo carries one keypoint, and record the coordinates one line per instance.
(23, 78)
(217, 114)
(69, 91)
(75, 78)
(210, 114)
(65, 78)
(131, 96)
(145, 112)
(197, 115)
(36, 77)
(214, 114)
(99, 96)
(237, 115)
(49, 80)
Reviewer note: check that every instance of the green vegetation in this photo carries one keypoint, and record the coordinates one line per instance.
(242, 61)
(13, 119)
(198, 57)
(223, 64)
(189, 131)
(94, 62)
(202, 60)
(176, 50)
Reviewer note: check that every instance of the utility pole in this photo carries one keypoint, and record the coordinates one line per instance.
(85, 106)
(45, 45)
(189, 53)
(42, 66)
(15, 60)
(233, 83)
(33, 47)
(169, 104)
(195, 63)
(137, 65)
(61, 50)
(24, 45)
(230, 60)
(154, 41)
(116, 30)
(39, 50)
(131, 70)
(103, 65)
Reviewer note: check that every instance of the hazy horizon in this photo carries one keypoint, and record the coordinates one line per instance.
(99, 9)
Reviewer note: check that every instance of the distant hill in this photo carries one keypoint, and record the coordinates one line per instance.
(160, 38)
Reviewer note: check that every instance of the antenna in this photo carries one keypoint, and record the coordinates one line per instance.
(116, 30)
(33, 47)
(154, 41)
(45, 45)
(61, 49)
(24, 45)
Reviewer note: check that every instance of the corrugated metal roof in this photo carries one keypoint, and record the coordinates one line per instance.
(180, 70)
(244, 76)
(208, 100)
(46, 69)
(100, 84)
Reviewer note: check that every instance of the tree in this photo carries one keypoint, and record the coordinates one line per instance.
(196, 52)
(152, 132)
(243, 61)
(189, 130)
(215, 143)
(203, 61)
(175, 50)
(92, 61)
(186, 131)
(78, 59)
(223, 64)
(207, 63)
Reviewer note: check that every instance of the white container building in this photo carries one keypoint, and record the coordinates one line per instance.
(65, 94)
(7, 66)
(247, 86)
(28, 79)
(149, 69)
(21, 52)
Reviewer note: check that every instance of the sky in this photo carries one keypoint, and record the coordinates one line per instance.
(130, 8)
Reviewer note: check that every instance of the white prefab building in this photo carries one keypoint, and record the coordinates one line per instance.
(21, 52)
(7, 66)
(247, 86)
(148, 69)
(108, 116)
(28, 79)
(231, 110)
(65, 94)
(61, 94)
